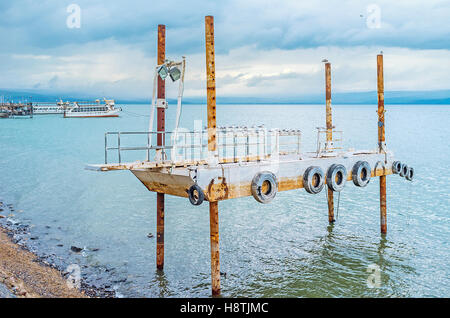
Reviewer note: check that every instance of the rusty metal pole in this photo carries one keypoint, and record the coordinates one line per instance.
(329, 123)
(212, 148)
(214, 237)
(211, 85)
(381, 140)
(160, 142)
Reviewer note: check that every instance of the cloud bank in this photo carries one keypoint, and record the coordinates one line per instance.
(263, 48)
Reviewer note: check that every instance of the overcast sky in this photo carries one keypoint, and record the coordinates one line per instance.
(263, 48)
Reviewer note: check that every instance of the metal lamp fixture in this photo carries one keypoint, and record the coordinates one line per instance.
(163, 71)
(175, 73)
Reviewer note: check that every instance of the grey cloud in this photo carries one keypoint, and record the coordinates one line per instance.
(53, 82)
(266, 24)
(266, 79)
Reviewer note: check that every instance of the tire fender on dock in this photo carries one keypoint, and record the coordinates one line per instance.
(336, 177)
(361, 173)
(264, 186)
(196, 195)
(313, 180)
(396, 167)
(404, 170)
(410, 175)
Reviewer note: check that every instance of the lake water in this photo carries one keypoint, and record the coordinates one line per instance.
(282, 249)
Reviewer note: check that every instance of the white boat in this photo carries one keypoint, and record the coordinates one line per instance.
(86, 110)
(51, 109)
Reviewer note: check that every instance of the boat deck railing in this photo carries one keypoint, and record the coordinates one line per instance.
(324, 146)
(235, 144)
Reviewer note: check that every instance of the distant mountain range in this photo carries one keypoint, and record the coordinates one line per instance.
(391, 97)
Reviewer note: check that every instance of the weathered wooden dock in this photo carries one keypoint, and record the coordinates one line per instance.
(221, 163)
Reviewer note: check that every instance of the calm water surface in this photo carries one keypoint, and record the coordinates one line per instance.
(283, 249)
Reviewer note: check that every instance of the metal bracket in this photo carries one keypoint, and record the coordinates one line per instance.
(161, 103)
(158, 155)
(382, 147)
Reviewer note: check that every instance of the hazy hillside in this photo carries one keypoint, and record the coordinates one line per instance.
(391, 97)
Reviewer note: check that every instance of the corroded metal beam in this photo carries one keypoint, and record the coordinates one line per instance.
(211, 84)
(233, 180)
(214, 238)
(329, 125)
(160, 142)
(381, 141)
(329, 121)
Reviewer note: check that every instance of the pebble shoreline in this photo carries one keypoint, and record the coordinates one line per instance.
(17, 233)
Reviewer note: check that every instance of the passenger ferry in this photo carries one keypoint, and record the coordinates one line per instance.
(51, 109)
(86, 109)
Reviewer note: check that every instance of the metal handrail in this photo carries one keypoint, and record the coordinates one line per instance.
(324, 146)
(243, 142)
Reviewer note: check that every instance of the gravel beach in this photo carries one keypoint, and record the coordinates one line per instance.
(22, 275)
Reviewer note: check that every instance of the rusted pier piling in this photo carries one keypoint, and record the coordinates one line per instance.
(381, 141)
(211, 87)
(212, 150)
(329, 127)
(160, 142)
(215, 254)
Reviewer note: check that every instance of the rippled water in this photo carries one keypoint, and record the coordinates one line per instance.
(282, 249)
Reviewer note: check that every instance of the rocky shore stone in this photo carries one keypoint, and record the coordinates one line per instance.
(76, 249)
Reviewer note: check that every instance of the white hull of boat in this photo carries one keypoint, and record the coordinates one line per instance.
(48, 112)
(110, 113)
(42, 110)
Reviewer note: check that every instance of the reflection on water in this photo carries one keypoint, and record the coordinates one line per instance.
(283, 249)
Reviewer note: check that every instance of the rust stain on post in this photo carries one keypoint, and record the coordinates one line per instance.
(328, 101)
(160, 230)
(380, 82)
(210, 83)
(383, 214)
(160, 141)
(381, 140)
(161, 83)
(330, 205)
(329, 125)
(214, 236)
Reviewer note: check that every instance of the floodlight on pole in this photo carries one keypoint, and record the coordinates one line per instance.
(163, 71)
(174, 73)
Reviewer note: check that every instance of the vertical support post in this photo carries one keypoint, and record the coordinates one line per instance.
(329, 126)
(160, 142)
(212, 150)
(211, 86)
(214, 237)
(329, 121)
(381, 141)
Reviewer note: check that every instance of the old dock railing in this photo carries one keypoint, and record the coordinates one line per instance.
(235, 144)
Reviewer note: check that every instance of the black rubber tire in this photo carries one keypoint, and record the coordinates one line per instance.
(396, 167)
(196, 200)
(404, 171)
(309, 177)
(336, 171)
(410, 175)
(257, 183)
(361, 168)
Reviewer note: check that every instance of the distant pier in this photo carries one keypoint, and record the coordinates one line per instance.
(11, 109)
